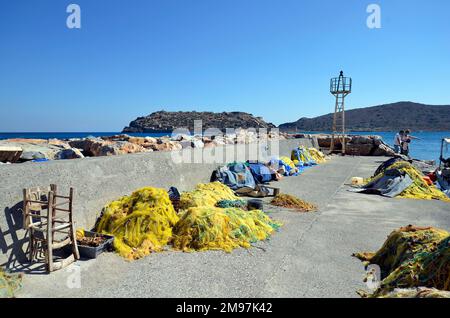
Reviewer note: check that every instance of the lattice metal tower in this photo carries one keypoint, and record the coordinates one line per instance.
(340, 87)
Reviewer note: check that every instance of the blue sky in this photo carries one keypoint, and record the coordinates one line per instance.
(270, 58)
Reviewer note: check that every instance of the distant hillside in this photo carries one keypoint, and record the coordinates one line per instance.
(389, 117)
(168, 121)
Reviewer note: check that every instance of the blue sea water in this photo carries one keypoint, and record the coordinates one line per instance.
(427, 148)
(69, 135)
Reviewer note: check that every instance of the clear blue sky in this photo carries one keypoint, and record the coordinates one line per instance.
(270, 58)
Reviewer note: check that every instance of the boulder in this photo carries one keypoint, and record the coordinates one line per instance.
(362, 140)
(219, 141)
(210, 144)
(97, 147)
(84, 143)
(206, 139)
(166, 146)
(325, 141)
(185, 144)
(150, 140)
(72, 153)
(197, 143)
(100, 149)
(128, 147)
(141, 141)
(182, 137)
(32, 155)
(34, 149)
(120, 137)
(59, 143)
(383, 150)
(91, 146)
(359, 149)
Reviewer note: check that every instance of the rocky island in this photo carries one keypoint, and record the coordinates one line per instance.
(163, 121)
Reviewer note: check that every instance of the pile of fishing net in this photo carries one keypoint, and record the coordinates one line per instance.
(140, 223)
(420, 188)
(206, 194)
(288, 162)
(317, 155)
(9, 284)
(212, 228)
(211, 218)
(302, 156)
(292, 202)
(419, 292)
(412, 257)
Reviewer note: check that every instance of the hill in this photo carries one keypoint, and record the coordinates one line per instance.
(168, 121)
(388, 117)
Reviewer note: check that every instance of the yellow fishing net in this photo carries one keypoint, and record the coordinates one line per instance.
(146, 221)
(419, 189)
(206, 194)
(420, 292)
(141, 223)
(288, 162)
(212, 228)
(292, 202)
(205, 226)
(9, 284)
(412, 257)
(317, 155)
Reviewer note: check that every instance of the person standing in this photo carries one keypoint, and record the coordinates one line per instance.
(406, 140)
(398, 141)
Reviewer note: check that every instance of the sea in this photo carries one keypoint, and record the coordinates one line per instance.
(427, 147)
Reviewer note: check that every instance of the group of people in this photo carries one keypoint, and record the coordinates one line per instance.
(402, 141)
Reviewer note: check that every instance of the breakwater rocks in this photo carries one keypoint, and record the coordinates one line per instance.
(169, 121)
(355, 145)
(55, 149)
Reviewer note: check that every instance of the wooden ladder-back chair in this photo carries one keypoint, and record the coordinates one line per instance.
(45, 216)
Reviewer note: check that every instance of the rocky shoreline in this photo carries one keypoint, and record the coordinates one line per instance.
(56, 149)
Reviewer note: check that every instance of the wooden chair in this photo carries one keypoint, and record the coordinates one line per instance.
(47, 219)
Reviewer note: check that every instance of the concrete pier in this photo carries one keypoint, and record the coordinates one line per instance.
(309, 257)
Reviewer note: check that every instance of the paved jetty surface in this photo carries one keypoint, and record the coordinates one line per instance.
(309, 257)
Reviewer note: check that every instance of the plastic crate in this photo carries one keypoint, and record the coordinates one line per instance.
(91, 251)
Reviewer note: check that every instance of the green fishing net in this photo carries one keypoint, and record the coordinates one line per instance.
(412, 257)
(9, 284)
(212, 228)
